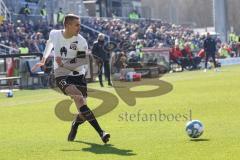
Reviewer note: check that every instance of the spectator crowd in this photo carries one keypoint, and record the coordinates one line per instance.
(186, 45)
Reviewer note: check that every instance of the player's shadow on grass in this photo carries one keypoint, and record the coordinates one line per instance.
(200, 140)
(106, 149)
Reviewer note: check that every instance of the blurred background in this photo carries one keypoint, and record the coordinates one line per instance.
(148, 27)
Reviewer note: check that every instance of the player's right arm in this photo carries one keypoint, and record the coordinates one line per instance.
(46, 53)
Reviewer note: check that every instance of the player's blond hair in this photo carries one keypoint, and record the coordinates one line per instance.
(70, 17)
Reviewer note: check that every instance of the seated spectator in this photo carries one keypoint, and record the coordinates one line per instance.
(224, 51)
(120, 61)
(197, 59)
(176, 55)
(187, 60)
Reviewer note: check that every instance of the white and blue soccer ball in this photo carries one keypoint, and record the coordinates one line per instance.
(9, 93)
(194, 129)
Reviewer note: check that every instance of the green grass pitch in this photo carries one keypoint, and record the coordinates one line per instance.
(30, 130)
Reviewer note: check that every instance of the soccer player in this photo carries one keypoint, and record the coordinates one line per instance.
(68, 46)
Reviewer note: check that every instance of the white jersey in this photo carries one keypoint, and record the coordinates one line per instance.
(67, 49)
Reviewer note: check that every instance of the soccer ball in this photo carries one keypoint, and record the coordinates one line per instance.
(194, 128)
(9, 94)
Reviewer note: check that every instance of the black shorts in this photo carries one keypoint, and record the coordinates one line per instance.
(79, 81)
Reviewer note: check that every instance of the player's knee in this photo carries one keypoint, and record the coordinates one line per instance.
(79, 99)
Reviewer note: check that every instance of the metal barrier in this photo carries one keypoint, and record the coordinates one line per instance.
(4, 11)
(5, 50)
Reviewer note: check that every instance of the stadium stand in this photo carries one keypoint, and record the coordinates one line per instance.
(139, 33)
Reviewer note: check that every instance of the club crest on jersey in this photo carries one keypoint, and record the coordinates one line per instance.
(73, 45)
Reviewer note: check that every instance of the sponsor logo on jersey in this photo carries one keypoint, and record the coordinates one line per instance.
(63, 51)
